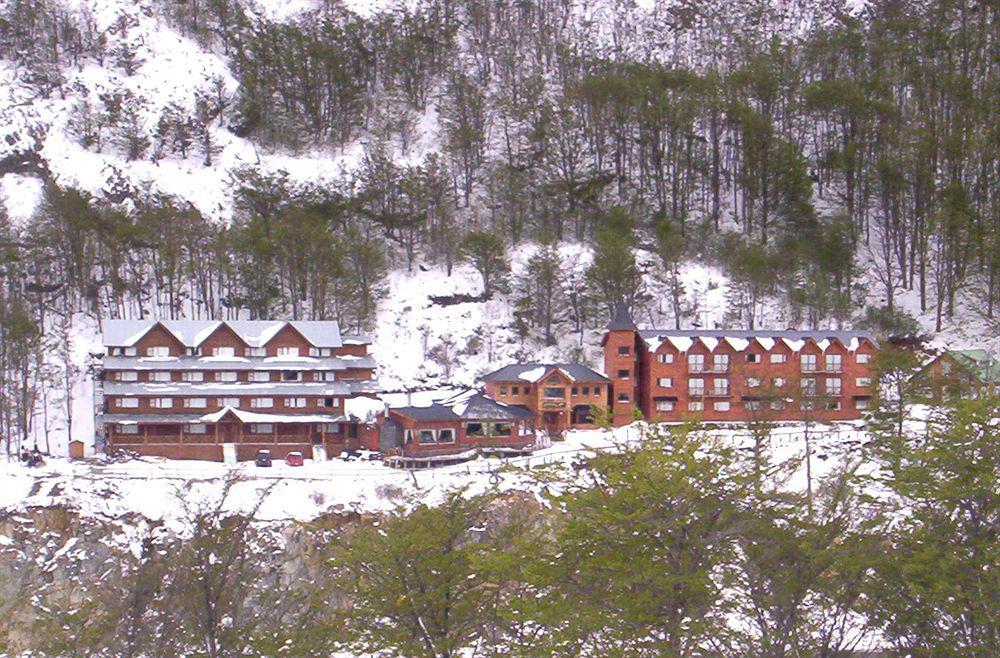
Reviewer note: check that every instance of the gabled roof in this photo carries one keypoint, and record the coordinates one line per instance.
(621, 320)
(533, 372)
(256, 333)
(979, 363)
(739, 338)
(468, 405)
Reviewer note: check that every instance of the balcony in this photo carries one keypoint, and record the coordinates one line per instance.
(718, 393)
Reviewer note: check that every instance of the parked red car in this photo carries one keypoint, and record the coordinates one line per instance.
(294, 459)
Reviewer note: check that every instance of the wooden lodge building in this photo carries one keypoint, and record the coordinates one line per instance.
(561, 395)
(734, 375)
(455, 429)
(185, 389)
(959, 374)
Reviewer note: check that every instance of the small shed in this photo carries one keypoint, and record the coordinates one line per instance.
(76, 449)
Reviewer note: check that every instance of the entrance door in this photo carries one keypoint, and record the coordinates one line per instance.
(228, 432)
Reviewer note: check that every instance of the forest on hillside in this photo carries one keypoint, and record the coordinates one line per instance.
(816, 151)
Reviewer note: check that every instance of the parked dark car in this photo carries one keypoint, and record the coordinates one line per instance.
(294, 459)
(263, 458)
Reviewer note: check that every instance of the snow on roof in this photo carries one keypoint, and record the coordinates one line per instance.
(766, 342)
(534, 374)
(794, 344)
(363, 408)
(737, 343)
(534, 371)
(320, 333)
(279, 419)
(711, 342)
(823, 344)
(682, 343)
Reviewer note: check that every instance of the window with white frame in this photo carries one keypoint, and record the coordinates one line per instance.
(224, 350)
(426, 436)
(128, 376)
(291, 376)
(193, 376)
(195, 403)
(229, 402)
(777, 405)
(256, 351)
(159, 376)
(863, 358)
(808, 386)
(665, 382)
(261, 403)
(295, 403)
(778, 358)
(696, 405)
(807, 405)
(331, 427)
(127, 403)
(130, 351)
(861, 403)
(833, 405)
(446, 435)
(753, 357)
(721, 406)
(195, 428)
(863, 381)
(623, 397)
(158, 350)
(808, 362)
(753, 382)
(833, 386)
(330, 402)
(834, 362)
(161, 403)
(260, 376)
(225, 376)
(287, 351)
(665, 405)
(696, 386)
(407, 437)
(720, 362)
(778, 382)
(127, 429)
(752, 405)
(720, 386)
(665, 358)
(261, 428)
(696, 362)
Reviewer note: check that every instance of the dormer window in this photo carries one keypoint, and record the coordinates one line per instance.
(158, 351)
(287, 351)
(224, 351)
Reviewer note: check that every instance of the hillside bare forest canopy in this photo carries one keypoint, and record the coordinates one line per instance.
(826, 155)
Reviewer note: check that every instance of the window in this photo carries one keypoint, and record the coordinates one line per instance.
(946, 368)
(224, 351)
(193, 351)
(834, 362)
(623, 374)
(665, 358)
(720, 362)
(778, 382)
(665, 405)
(863, 358)
(721, 406)
(261, 403)
(161, 376)
(778, 358)
(861, 403)
(503, 390)
(295, 403)
(287, 351)
(161, 403)
(158, 350)
(130, 351)
(261, 428)
(807, 405)
(696, 386)
(229, 402)
(752, 357)
(720, 386)
(259, 376)
(808, 386)
(554, 392)
(331, 427)
(426, 436)
(128, 429)
(446, 436)
(225, 376)
(808, 362)
(195, 403)
(128, 376)
(291, 376)
(597, 391)
(753, 382)
(256, 351)
(623, 397)
(407, 437)
(319, 351)
(833, 405)
(501, 429)
(574, 391)
(623, 350)
(696, 405)
(330, 402)
(777, 405)
(863, 381)
(833, 386)
(696, 362)
(665, 382)
(195, 428)
(127, 403)
(586, 390)
(514, 390)
(193, 376)
(752, 405)
(475, 429)
(325, 376)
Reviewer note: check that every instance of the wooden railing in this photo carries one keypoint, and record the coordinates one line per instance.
(434, 450)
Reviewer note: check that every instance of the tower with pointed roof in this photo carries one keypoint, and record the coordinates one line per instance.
(621, 363)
